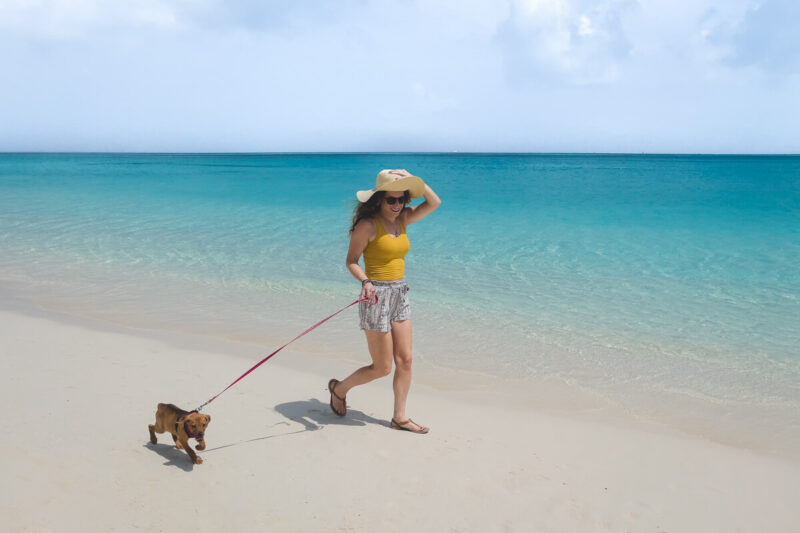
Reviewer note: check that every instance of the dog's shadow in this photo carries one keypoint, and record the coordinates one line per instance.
(173, 455)
(312, 414)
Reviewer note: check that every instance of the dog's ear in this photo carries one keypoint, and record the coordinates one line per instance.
(208, 418)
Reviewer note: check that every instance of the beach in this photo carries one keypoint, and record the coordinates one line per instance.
(601, 343)
(604, 301)
(79, 395)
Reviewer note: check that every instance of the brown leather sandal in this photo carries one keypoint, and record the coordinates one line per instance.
(399, 425)
(332, 385)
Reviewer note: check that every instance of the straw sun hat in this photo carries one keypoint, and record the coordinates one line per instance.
(387, 181)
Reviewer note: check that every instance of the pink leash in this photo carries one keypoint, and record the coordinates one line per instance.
(312, 328)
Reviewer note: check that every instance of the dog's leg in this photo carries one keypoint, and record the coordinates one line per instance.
(193, 456)
(201, 445)
(177, 442)
(153, 439)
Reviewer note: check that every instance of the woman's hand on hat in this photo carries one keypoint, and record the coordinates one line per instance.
(400, 172)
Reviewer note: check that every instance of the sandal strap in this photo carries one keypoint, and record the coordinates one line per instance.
(400, 424)
(332, 386)
(420, 426)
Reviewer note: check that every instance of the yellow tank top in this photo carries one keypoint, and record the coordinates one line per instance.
(383, 256)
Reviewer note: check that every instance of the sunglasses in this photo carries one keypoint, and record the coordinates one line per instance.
(391, 200)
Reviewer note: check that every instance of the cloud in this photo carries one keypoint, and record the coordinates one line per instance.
(581, 42)
(76, 20)
(768, 37)
(571, 41)
(84, 19)
(394, 75)
(156, 16)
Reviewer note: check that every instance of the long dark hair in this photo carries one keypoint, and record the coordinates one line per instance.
(372, 207)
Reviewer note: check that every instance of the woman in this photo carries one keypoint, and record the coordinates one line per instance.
(379, 233)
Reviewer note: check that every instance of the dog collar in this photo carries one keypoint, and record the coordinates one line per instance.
(185, 428)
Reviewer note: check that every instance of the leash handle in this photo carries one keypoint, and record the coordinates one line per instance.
(309, 330)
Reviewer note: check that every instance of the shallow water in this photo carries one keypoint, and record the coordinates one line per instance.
(668, 279)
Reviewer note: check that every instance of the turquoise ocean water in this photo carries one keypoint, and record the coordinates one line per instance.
(667, 279)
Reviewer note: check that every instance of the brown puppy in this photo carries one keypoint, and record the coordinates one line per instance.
(183, 425)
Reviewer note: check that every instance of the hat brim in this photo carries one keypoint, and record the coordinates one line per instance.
(413, 184)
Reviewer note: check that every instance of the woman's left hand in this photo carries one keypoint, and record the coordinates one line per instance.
(367, 292)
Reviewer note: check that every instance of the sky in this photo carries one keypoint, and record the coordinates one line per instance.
(656, 76)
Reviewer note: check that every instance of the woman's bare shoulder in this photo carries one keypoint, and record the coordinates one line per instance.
(367, 227)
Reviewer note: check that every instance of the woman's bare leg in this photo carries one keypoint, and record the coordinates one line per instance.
(380, 349)
(401, 351)
(402, 337)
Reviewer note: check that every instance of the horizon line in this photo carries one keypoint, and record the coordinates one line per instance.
(379, 152)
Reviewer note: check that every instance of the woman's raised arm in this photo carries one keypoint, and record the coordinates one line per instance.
(431, 203)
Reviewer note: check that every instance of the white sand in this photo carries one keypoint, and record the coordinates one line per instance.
(77, 402)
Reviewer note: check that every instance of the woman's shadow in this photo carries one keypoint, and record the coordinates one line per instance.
(314, 415)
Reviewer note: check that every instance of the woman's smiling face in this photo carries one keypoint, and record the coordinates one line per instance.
(392, 204)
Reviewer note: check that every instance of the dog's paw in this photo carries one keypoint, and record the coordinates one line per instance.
(198, 461)
(200, 446)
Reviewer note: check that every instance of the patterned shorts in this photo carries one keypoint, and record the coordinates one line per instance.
(392, 306)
